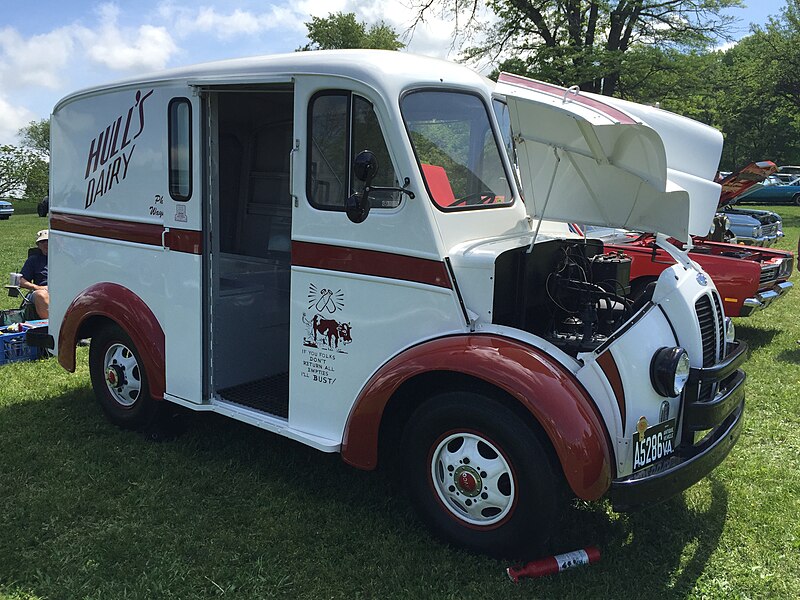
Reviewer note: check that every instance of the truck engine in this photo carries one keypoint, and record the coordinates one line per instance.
(567, 292)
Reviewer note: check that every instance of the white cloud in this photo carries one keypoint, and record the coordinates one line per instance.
(12, 119)
(125, 48)
(229, 25)
(35, 61)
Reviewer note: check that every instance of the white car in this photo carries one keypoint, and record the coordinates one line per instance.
(6, 210)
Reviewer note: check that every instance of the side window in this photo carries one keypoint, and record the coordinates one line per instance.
(342, 124)
(180, 149)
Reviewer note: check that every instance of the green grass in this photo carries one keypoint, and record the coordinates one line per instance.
(226, 510)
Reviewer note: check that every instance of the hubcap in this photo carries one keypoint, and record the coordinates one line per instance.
(473, 479)
(122, 375)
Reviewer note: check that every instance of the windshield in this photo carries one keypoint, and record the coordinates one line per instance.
(457, 150)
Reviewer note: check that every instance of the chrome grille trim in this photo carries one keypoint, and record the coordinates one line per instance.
(769, 273)
(769, 229)
(711, 319)
(708, 328)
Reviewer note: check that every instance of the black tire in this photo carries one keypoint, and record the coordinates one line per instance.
(460, 436)
(119, 379)
(796, 199)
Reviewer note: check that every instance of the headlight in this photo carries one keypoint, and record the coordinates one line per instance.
(726, 223)
(756, 232)
(713, 227)
(669, 371)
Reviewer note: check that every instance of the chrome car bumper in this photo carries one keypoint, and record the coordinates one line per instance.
(764, 299)
(765, 241)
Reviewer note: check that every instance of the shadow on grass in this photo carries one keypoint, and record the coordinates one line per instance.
(792, 355)
(228, 508)
(756, 337)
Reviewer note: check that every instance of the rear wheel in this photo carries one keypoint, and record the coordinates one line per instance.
(796, 199)
(479, 476)
(119, 379)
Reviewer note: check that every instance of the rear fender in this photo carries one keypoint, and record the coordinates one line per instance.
(120, 305)
(545, 388)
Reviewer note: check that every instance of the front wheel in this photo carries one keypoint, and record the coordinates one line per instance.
(796, 199)
(119, 379)
(480, 477)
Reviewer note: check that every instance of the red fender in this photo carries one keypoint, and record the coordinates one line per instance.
(127, 310)
(554, 397)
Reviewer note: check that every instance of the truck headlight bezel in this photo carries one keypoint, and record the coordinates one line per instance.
(669, 371)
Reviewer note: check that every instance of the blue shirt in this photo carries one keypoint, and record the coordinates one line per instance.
(35, 269)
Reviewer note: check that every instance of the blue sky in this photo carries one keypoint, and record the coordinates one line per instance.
(49, 48)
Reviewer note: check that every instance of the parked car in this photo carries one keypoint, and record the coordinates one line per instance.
(753, 227)
(773, 191)
(6, 210)
(748, 278)
(43, 207)
(748, 226)
(789, 170)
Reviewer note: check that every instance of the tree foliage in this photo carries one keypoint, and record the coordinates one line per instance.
(25, 169)
(582, 42)
(342, 30)
(36, 137)
(15, 165)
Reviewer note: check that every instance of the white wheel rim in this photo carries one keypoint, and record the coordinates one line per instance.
(473, 479)
(122, 375)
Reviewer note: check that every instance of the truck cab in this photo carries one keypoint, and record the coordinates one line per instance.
(368, 252)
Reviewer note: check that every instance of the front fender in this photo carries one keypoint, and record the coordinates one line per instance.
(120, 305)
(545, 388)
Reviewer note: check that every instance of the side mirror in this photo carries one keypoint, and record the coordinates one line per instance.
(365, 166)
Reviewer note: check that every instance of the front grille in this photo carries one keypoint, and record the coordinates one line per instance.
(769, 273)
(769, 229)
(712, 330)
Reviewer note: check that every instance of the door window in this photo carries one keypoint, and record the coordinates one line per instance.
(342, 124)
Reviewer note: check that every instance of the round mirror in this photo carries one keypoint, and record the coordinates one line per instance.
(365, 166)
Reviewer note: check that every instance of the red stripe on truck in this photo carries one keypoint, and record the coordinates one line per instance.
(554, 90)
(151, 234)
(370, 262)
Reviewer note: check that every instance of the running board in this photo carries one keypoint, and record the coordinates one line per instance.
(259, 419)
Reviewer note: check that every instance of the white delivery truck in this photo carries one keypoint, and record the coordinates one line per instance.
(335, 247)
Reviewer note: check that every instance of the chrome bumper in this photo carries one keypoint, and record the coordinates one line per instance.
(764, 299)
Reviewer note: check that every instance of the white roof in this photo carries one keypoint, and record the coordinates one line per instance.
(390, 71)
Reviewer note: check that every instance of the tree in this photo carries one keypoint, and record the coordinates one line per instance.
(582, 42)
(781, 43)
(35, 141)
(15, 168)
(36, 137)
(341, 30)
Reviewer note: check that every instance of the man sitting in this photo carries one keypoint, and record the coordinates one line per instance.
(34, 276)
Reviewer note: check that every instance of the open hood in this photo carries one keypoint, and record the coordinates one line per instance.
(746, 179)
(596, 160)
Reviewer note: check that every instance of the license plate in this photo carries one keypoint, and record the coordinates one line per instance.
(656, 443)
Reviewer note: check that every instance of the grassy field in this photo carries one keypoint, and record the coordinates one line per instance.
(226, 510)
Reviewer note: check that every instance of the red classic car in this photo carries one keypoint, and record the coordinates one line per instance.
(748, 278)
